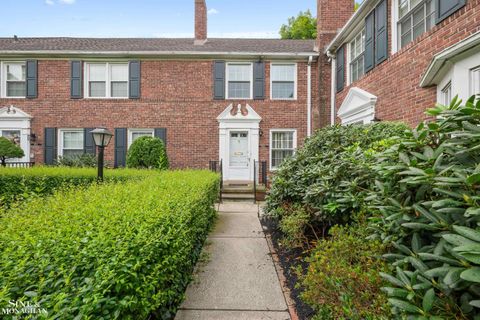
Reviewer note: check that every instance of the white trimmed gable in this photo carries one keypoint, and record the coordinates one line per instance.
(237, 116)
(12, 112)
(357, 107)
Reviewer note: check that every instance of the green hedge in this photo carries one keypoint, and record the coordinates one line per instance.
(147, 153)
(108, 251)
(18, 184)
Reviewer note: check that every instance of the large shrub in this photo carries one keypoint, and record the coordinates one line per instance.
(110, 251)
(428, 197)
(331, 174)
(343, 280)
(8, 150)
(147, 152)
(17, 184)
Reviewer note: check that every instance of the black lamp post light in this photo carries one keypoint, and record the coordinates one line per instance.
(102, 138)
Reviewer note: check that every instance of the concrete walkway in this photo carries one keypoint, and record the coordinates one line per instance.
(239, 281)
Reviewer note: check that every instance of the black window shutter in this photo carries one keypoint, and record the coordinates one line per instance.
(445, 8)
(369, 60)
(381, 33)
(31, 78)
(134, 79)
(76, 83)
(259, 80)
(88, 143)
(120, 147)
(219, 80)
(340, 68)
(50, 146)
(162, 134)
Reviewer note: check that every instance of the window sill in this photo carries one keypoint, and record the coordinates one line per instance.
(283, 99)
(107, 98)
(14, 97)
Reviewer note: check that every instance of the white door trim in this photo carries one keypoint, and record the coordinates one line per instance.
(229, 122)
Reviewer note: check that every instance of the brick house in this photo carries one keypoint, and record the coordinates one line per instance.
(393, 59)
(239, 100)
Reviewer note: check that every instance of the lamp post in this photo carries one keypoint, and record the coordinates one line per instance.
(102, 137)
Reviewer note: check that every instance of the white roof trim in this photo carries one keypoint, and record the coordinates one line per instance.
(205, 54)
(356, 104)
(11, 112)
(227, 116)
(442, 61)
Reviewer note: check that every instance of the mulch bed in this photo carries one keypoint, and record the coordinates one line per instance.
(289, 259)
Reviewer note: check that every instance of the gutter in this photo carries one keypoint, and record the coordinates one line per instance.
(176, 54)
(309, 97)
(332, 87)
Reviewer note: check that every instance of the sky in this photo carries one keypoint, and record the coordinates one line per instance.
(146, 18)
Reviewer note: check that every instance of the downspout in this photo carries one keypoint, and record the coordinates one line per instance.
(333, 61)
(309, 97)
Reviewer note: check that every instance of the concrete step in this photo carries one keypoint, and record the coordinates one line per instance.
(237, 190)
(237, 196)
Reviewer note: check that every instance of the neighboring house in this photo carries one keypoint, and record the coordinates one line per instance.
(238, 100)
(393, 59)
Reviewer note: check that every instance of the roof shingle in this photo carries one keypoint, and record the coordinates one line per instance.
(166, 45)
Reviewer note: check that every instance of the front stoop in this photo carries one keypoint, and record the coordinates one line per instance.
(239, 281)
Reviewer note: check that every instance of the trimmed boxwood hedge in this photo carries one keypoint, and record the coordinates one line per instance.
(110, 251)
(17, 184)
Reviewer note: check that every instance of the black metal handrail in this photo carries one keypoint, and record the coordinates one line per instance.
(19, 164)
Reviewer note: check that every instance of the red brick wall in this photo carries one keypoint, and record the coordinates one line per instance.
(396, 82)
(331, 16)
(176, 94)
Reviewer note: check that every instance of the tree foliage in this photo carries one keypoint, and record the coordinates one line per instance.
(8, 149)
(302, 27)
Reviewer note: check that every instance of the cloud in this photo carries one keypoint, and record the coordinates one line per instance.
(213, 11)
(53, 2)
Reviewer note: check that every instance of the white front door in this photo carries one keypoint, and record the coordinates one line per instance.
(239, 157)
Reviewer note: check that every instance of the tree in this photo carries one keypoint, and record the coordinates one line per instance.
(147, 153)
(8, 149)
(304, 26)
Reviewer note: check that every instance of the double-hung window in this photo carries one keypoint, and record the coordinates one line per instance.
(134, 134)
(14, 75)
(282, 145)
(239, 80)
(106, 80)
(415, 18)
(357, 51)
(71, 143)
(283, 81)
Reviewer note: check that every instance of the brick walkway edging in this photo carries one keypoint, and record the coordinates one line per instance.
(281, 277)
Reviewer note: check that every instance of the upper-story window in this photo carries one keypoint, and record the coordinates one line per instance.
(106, 80)
(14, 79)
(415, 18)
(239, 80)
(283, 77)
(357, 51)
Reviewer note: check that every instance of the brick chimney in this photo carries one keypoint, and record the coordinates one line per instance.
(331, 17)
(200, 22)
